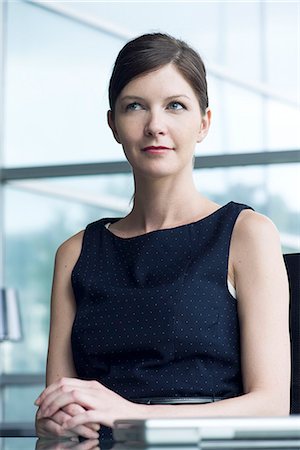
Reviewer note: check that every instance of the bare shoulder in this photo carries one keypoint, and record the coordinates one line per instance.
(253, 228)
(68, 252)
(255, 245)
(256, 254)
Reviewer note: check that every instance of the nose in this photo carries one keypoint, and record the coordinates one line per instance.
(155, 124)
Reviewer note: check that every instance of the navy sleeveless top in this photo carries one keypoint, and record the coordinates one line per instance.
(154, 315)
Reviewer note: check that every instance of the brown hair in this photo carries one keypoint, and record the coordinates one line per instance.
(151, 51)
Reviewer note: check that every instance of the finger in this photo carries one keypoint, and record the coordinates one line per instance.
(50, 428)
(93, 426)
(54, 402)
(83, 419)
(52, 387)
(60, 417)
(82, 430)
(61, 398)
(73, 409)
(64, 385)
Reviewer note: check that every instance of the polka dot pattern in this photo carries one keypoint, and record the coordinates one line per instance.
(154, 315)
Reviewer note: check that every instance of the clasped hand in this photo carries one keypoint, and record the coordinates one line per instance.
(72, 407)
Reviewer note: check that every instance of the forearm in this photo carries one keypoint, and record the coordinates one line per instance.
(252, 404)
(101, 405)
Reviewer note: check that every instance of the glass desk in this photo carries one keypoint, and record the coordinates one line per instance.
(30, 443)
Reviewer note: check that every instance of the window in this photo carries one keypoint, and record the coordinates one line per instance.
(57, 60)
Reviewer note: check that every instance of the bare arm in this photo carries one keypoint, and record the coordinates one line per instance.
(262, 287)
(263, 308)
(257, 266)
(60, 360)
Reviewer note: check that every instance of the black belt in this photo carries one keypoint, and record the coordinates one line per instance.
(175, 400)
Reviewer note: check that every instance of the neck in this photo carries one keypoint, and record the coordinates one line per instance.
(164, 203)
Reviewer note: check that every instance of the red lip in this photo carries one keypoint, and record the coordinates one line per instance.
(160, 147)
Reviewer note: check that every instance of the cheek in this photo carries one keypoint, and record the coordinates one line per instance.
(189, 127)
(129, 133)
(190, 133)
(128, 140)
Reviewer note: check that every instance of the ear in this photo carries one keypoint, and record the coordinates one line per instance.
(112, 126)
(205, 124)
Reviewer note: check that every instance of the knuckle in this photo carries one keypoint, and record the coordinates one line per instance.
(55, 429)
(72, 409)
(74, 395)
(66, 410)
(90, 414)
(63, 388)
(59, 415)
(62, 381)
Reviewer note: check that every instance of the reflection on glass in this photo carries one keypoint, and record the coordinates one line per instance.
(66, 444)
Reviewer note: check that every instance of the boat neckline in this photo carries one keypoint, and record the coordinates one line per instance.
(115, 219)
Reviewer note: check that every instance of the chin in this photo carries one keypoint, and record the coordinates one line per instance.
(157, 170)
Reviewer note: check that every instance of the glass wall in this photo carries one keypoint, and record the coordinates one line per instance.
(57, 62)
(56, 84)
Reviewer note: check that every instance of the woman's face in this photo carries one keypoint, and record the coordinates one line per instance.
(158, 122)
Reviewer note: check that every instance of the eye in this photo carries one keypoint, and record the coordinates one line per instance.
(176, 106)
(135, 106)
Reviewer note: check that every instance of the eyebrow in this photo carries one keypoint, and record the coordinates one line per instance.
(136, 97)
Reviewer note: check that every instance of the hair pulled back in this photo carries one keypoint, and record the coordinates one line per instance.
(151, 51)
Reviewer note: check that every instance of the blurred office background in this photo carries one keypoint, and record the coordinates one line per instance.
(61, 168)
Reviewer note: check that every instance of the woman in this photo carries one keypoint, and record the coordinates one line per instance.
(182, 298)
